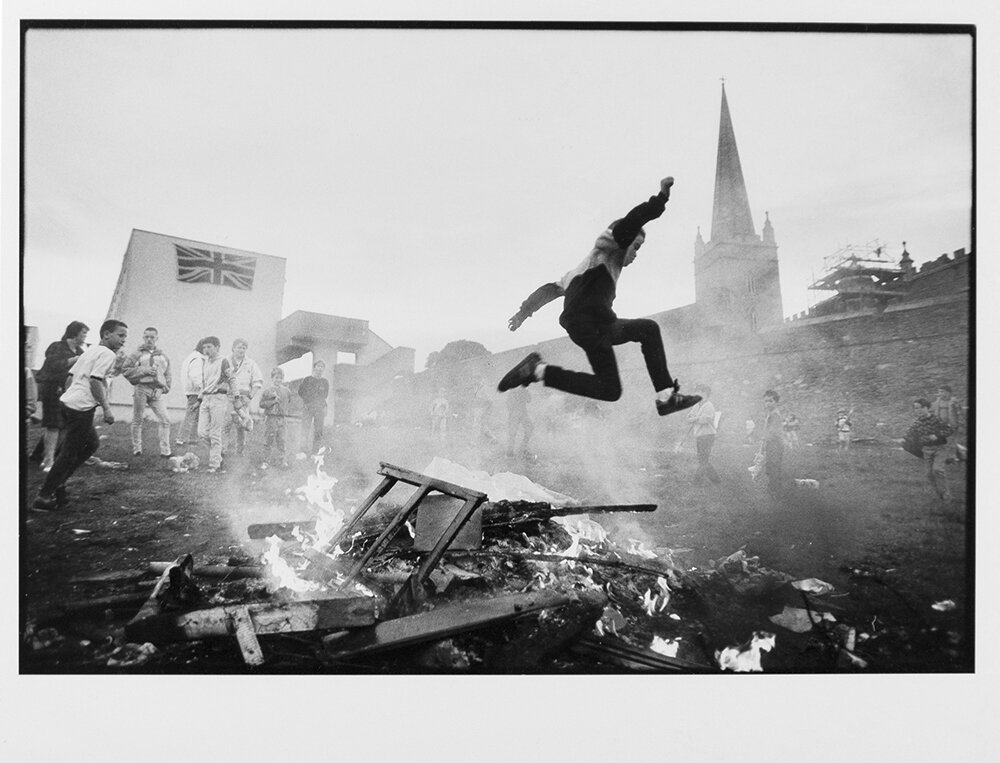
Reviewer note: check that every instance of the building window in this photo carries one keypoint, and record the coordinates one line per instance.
(753, 320)
(751, 284)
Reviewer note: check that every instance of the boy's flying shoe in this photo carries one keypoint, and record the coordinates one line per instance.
(676, 402)
(520, 375)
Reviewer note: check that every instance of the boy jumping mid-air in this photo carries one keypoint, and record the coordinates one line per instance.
(588, 292)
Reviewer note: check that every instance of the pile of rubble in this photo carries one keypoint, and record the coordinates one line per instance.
(449, 580)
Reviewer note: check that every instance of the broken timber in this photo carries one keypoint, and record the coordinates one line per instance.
(441, 622)
(412, 592)
(266, 619)
(494, 514)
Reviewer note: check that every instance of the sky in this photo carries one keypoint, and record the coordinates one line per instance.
(428, 180)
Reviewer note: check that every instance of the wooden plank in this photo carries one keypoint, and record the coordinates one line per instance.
(542, 557)
(415, 478)
(117, 601)
(442, 621)
(268, 619)
(243, 629)
(153, 604)
(282, 529)
(213, 570)
(120, 576)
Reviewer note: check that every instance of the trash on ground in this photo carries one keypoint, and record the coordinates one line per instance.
(745, 658)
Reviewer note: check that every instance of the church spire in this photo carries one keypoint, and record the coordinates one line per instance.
(731, 219)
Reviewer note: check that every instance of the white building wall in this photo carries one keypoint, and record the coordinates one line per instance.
(149, 294)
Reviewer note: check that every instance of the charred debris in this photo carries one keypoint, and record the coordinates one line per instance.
(450, 581)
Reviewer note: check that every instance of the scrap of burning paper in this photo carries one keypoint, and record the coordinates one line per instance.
(745, 658)
(664, 646)
(944, 606)
(813, 585)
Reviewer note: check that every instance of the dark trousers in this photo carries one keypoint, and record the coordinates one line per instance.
(597, 338)
(80, 444)
(705, 469)
(774, 458)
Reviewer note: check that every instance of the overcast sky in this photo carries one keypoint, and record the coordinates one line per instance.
(428, 180)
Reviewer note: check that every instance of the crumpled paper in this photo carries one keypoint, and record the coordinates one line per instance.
(745, 658)
(664, 646)
(798, 620)
(504, 486)
(813, 585)
(944, 606)
(131, 654)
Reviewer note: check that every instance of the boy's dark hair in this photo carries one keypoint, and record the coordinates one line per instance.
(210, 340)
(772, 394)
(111, 325)
(74, 328)
(153, 329)
(923, 402)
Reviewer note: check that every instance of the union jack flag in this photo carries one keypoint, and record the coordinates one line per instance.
(221, 269)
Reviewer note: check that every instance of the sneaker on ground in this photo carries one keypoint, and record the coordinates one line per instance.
(520, 375)
(42, 503)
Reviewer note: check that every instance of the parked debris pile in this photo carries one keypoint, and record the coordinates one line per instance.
(447, 580)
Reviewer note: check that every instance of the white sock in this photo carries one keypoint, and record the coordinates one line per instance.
(665, 394)
(540, 372)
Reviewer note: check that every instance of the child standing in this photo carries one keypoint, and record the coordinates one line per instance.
(844, 427)
(275, 402)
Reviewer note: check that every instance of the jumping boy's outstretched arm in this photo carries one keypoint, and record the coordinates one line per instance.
(537, 299)
(623, 231)
(626, 229)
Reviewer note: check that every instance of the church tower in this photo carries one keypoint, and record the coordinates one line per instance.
(736, 271)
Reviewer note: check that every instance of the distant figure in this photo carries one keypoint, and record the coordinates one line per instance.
(791, 427)
(518, 420)
(750, 425)
(314, 391)
(930, 434)
(774, 443)
(588, 292)
(30, 394)
(88, 390)
(702, 420)
(275, 402)
(843, 426)
(440, 411)
(482, 406)
(948, 409)
(148, 369)
(215, 391)
(53, 379)
(247, 382)
(191, 380)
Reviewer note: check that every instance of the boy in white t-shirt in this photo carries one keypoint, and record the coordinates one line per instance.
(88, 390)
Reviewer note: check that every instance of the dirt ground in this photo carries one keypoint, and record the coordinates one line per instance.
(872, 529)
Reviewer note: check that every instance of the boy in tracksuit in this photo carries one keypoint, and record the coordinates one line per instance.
(588, 292)
(275, 402)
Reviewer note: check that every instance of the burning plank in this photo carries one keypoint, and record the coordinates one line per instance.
(266, 619)
(441, 622)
